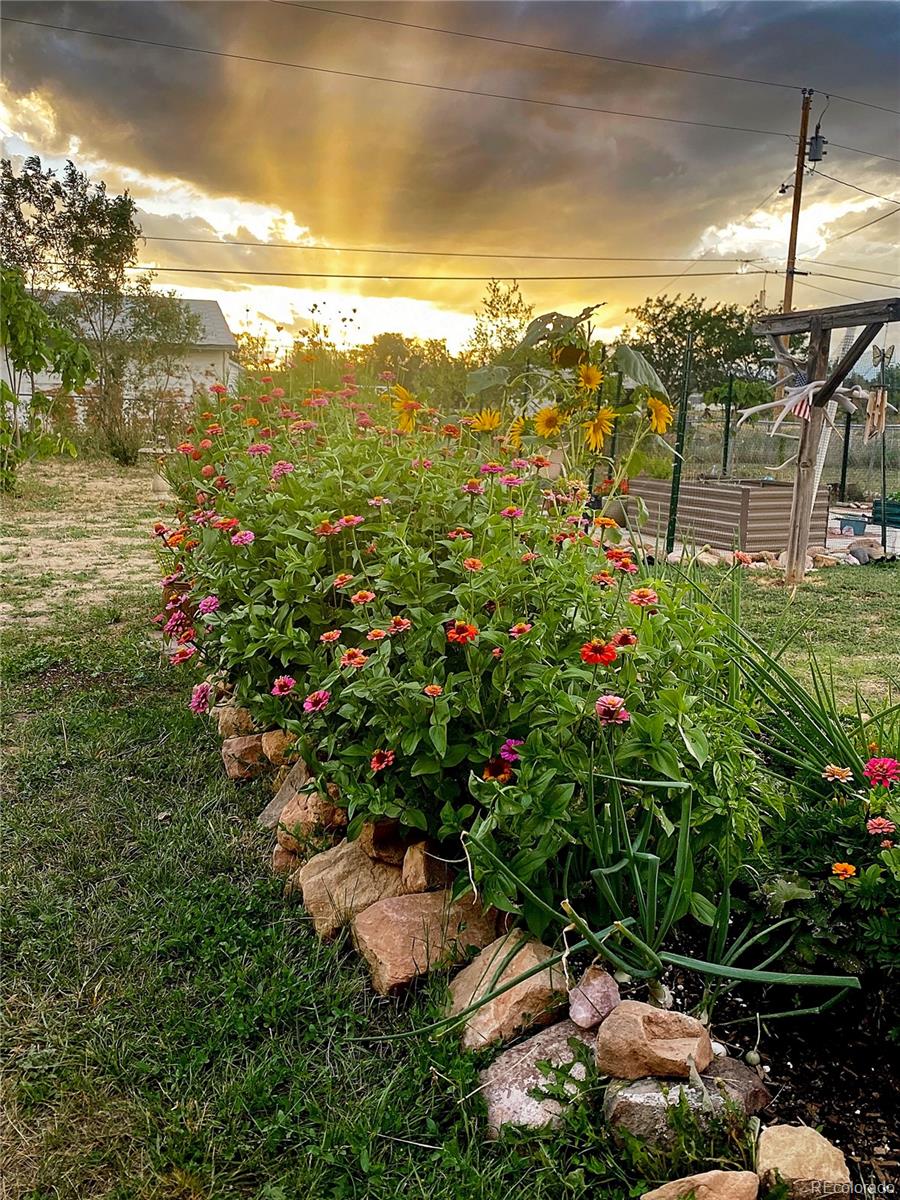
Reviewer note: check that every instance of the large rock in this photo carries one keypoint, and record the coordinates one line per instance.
(231, 720)
(305, 814)
(803, 1158)
(593, 997)
(276, 745)
(298, 777)
(243, 756)
(422, 871)
(709, 1185)
(407, 936)
(284, 862)
(383, 840)
(508, 1084)
(340, 883)
(642, 1108)
(534, 1001)
(637, 1040)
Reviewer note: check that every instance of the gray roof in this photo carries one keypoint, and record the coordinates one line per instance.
(214, 329)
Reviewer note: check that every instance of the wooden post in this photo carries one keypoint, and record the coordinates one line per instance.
(805, 478)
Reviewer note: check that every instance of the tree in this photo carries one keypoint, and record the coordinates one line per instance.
(33, 342)
(724, 343)
(499, 323)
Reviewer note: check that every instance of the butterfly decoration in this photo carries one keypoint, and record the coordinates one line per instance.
(882, 355)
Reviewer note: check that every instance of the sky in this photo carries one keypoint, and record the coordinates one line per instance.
(227, 149)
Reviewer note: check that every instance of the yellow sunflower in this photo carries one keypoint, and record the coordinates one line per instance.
(548, 422)
(660, 415)
(589, 377)
(514, 433)
(597, 428)
(486, 421)
(406, 406)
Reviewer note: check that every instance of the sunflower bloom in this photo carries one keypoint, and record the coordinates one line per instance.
(596, 430)
(548, 423)
(514, 433)
(406, 406)
(589, 377)
(660, 415)
(486, 421)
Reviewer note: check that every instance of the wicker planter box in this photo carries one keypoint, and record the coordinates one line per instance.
(742, 514)
(891, 512)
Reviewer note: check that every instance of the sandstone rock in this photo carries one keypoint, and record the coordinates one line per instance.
(296, 778)
(232, 721)
(243, 756)
(284, 862)
(709, 1185)
(508, 1083)
(734, 1080)
(824, 560)
(637, 1039)
(803, 1158)
(340, 883)
(707, 558)
(407, 936)
(534, 1001)
(807, 562)
(304, 814)
(382, 840)
(276, 744)
(422, 872)
(593, 998)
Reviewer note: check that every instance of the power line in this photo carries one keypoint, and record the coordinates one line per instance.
(856, 187)
(433, 87)
(434, 253)
(422, 278)
(847, 279)
(826, 291)
(859, 228)
(868, 153)
(631, 62)
(846, 267)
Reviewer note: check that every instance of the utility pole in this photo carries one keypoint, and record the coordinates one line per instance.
(798, 195)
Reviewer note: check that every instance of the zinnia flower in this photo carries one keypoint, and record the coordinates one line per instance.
(433, 690)
(283, 685)
(379, 501)
(342, 579)
(472, 487)
(182, 654)
(882, 772)
(548, 422)
(497, 770)
(375, 635)
(520, 629)
(486, 421)
(381, 759)
(461, 633)
(596, 430)
(623, 638)
(451, 431)
(350, 520)
(843, 870)
(529, 556)
(660, 415)
(199, 703)
(511, 481)
(354, 658)
(643, 597)
(511, 512)
(259, 448)
(473, 564)
(316, 702)
(243, 538)
(611, 710)
(399, 625)
(282, 467)
(330, 635)
(596, 652)
(878, 826)
(208, 605)
(492, 468)
(458, 533)
(362, 597)
(837, 774)
(509, 750)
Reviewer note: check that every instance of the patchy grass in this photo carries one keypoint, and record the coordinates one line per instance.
(173, 1030)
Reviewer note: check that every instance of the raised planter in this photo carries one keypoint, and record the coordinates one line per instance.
(891, 511)
(742, 514)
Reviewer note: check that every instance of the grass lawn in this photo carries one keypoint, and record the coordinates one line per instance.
(173, 1030)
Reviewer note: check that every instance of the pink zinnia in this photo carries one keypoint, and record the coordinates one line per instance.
(381, 759)
(643, 597)
(208, 605)
(282, 467)
(611, 710)
(243, 538)
(330, 635)
(199, 702)
(259, 448)
(878, 826)
(492, 468)
(350, 520)
(283, 685)
(473, 488)
(512, 481)
(182, 654)
(882, 772)
(378, 501)
(520, 629)
(509, 749)
(511, 512)
(316, 702)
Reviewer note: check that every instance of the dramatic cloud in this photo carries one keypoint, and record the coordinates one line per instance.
(215, 147)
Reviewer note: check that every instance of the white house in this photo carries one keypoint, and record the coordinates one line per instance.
(209, 361)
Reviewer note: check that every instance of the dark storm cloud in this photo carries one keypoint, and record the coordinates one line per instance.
(362, 162)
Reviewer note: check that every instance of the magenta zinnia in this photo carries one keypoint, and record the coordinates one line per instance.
(316, 702)
(882, 772)
(283, 685)
(199, 703)
(611, 710)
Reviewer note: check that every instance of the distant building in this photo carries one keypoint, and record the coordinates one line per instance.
(209, 361)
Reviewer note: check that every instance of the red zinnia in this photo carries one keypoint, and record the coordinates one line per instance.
(461, 633)
(624, 637)
(399, 625)
(354, 658)
(362, 597)
(497, 771)
(473, 564)
(598, 653)
(381, 759)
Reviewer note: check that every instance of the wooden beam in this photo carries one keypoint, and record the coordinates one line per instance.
(850, 359)
(805, 476)
(840, 316)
